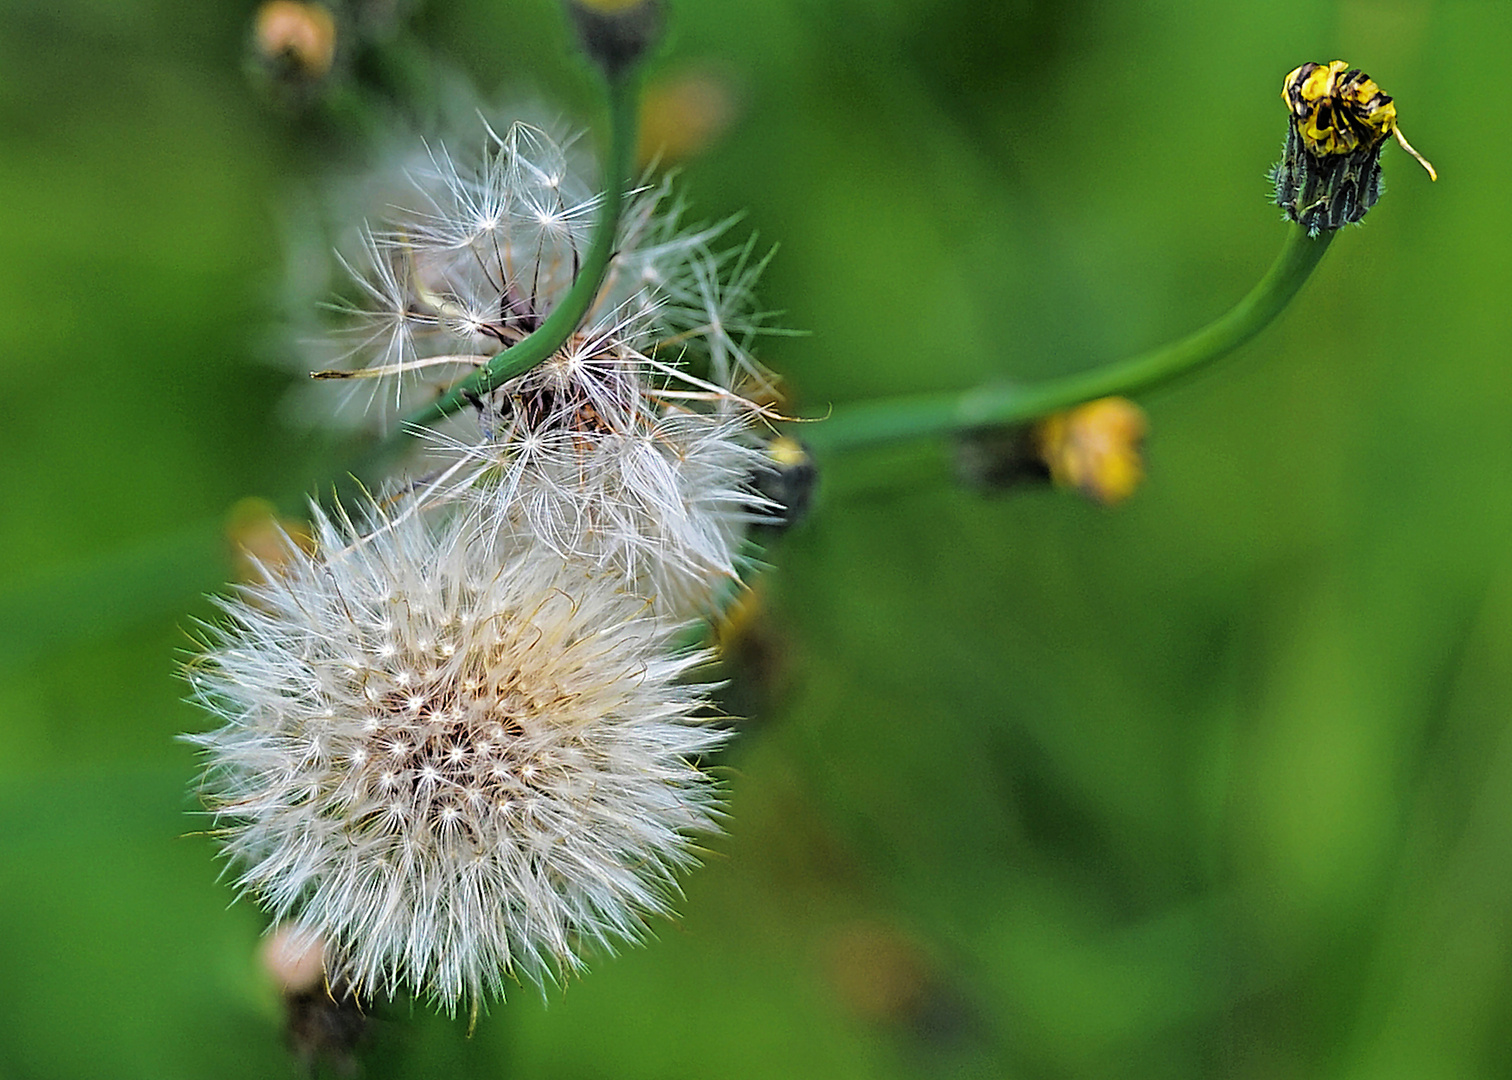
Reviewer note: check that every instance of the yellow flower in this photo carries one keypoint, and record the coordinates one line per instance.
(1096, 447)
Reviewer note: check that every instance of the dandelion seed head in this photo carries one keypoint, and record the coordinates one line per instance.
(471, 250)
(632, 446)
(449, 820)
(587, 457)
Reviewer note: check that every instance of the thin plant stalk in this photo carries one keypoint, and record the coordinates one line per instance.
(925, 416)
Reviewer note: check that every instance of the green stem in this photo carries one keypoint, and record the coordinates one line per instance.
(933, 415)
(567, 315)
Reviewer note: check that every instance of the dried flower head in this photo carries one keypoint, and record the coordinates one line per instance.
(455, 764)
(633, 445)
(590, 456)
(476, 250)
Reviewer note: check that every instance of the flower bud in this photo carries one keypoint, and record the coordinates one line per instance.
(294, 960)
(1096, 447)
(1330, 170)
(616, 34)
(757, 661)
(878, 973)
(997, 459)
(261, 542)
(323, 1021)
(683, 115)
(296, 38)
(785, 481)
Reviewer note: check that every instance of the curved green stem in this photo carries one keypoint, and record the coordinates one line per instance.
(933, 415)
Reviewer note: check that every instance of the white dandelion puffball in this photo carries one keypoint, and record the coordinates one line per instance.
(473, 251)
(579, 454)
(454, 769)
(632, 446)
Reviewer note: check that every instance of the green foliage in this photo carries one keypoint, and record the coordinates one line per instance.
(1215, 784)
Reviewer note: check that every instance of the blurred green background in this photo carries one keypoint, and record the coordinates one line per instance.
(1217, 784)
